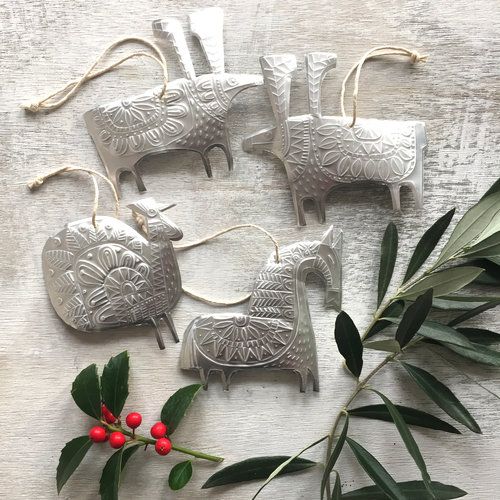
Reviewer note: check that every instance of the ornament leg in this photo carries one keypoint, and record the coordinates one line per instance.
(203, 377)
(171, 327)
(418, 193)
(321, 209)
(138, 180)
(206, 162)
(298, 205)
(315, 377)
(303, 380)
(396, 203)
(225, 378)
(159, 336)
(229, 156)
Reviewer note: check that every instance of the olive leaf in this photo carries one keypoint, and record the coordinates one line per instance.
(388, 345)
(388, 254)
(256, 468)
(86, 392)
(337, 488)
(489, 247)
(393, 310)
(114, 383)
(460, 302)
(408, 440)
(474, 312)
(478, 353)
(480, 335)
(71, 456)
(491, 274)
(427, 244)
(443, 282)
(349, 343)
(410, 415)
(493, 189)
(332, 459)
(413, 318)
(175, 408)
(180, 475)
(442, 396)
(412, 490)
(376, 471)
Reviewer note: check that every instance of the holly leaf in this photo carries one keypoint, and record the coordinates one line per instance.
(175, 408)
(110, 478)
(255, 468)
(427, 244)
(114, 383)
(180, 475)
(389, 251)
(86, 392)
(442, 396)
(71, 456)
(330, 464)
(410, 415)
(349, 343)
(413, 318)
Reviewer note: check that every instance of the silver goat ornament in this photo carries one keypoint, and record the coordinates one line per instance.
(190, 116)
(277, 332)
(110, 275)
(322, 152)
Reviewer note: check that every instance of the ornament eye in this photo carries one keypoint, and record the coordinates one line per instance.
(152, 212)
(232, 82)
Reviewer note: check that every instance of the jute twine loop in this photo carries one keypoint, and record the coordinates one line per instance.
(60, 96)
(40, 179)
(384, 50)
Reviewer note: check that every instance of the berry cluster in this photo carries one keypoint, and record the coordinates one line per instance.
(133, 420)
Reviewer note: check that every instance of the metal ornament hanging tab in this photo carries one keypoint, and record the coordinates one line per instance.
(110, 275)
(321, 152)
(276, 333)
(190, 116)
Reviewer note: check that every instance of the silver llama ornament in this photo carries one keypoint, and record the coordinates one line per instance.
(322, 152)
(190, 116)
(276, 333)
(110, 275)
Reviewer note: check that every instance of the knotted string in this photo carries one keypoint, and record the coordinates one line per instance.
(384, 50)
(60, 96)
(39, 180)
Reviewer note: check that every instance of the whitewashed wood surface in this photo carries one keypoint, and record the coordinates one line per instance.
(46, 43)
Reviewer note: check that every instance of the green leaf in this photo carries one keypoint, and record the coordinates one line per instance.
(412, 490)
(489, 247)
(71, 456)
(175, 408)
(389, 345)
(408, 440)
(480, 335)
(413, 318)
(376, 471)
(86, 392)
(491, 274)
(337, 488)
(474, 312)
(180, 475)
(114, 383)
(461, 302)
(478, 353)
(478, 223)
(442, 396)
(388, 256)
(410, 415)
(282, 466)
(443, 282)
(393, 310)
(427, 244)
(495, 188)
(349, 343)
(255, 468)
(330, 464)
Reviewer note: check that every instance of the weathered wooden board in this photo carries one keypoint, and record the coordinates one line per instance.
(46, 43)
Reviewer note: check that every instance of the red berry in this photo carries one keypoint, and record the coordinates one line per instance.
(116, 440)
(97, 434)
(108, 416)
(133, 420)
(163, 446)
(159, 430)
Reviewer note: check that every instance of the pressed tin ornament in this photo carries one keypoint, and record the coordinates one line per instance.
(191, 115)
(277, 332)
(322, 152)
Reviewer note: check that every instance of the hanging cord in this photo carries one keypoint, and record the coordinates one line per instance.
(39, 180)
(63, 94)
(384, 50)
(194, 244)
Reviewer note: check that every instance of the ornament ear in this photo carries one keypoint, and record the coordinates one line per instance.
(330, 240)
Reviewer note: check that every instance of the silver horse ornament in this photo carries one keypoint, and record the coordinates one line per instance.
(321, 152)
(277, 332)
(190, 116)
(111, 275)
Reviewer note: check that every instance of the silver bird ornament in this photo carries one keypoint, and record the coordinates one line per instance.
(276, 333)
(191, 115)
(110, 275)
(322, 152)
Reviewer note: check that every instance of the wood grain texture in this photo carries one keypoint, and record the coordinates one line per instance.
(46, 43)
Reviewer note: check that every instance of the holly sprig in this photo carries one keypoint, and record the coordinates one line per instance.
(103, 399)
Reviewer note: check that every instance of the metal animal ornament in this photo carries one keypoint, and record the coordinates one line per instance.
(276, 333)
(322, 152)
(190, 116)
(110, 275)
